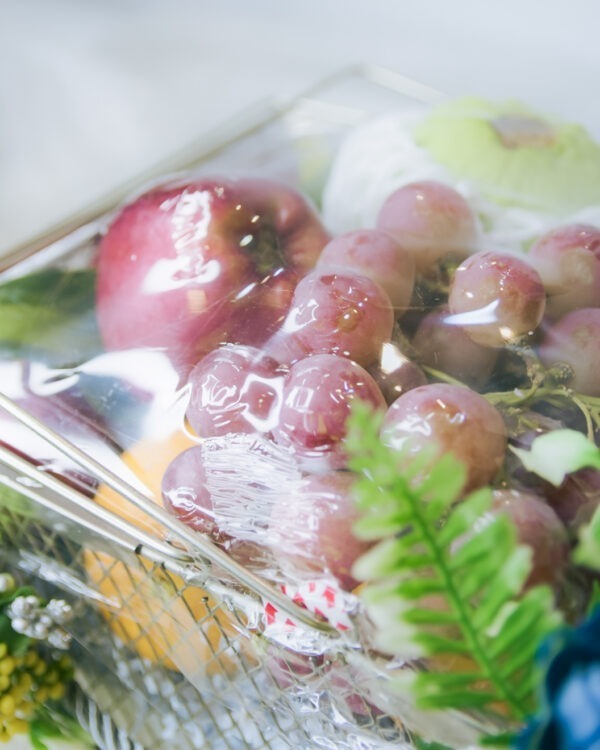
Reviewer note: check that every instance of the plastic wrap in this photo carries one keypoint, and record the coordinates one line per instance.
(177, 372)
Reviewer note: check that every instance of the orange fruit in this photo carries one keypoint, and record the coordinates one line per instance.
(148, 460)
(151, 610)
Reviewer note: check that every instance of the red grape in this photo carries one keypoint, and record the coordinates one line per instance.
(318, 393)
(577, 498)
(186, 495)
(235, 388)
(335, 312)
(395, 373)
(568, 261)
(289, 668)
(431, 220)
(378, 256)
(448, 348)
(312, 529)
(538, 527)
(496, 298)
(575, 340)
(453, 418)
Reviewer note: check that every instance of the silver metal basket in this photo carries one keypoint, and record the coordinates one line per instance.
(172, 647)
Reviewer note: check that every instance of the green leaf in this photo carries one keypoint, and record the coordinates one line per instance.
(424, 616)
(15, 501)
(421, 744)
(436, 645)
(444, 700)
(471, 550)
(444, 481)
(555, 454)
(374, 525)
(503, 739)
(587, 552)
(50, 314)
(450, 582)
(17, 643)
(52, 722)
(378, 561)
(594, 600)
(471, 510)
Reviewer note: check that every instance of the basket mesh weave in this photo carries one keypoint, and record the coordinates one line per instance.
(162, 664)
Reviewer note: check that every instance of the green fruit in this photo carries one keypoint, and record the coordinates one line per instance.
(513, 155)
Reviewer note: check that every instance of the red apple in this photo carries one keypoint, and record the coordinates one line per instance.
(181, 267)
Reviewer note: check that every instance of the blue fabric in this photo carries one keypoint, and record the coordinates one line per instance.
(569, 718)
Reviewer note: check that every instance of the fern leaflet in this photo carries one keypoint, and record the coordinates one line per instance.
(445, 580)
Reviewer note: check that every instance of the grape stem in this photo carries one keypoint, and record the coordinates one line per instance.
(542, 387)
(442, 376)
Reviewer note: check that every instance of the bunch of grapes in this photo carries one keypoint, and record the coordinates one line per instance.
(460, 346)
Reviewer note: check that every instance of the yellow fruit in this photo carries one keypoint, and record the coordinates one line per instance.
(154, 612)
(7, 665)
(7, 705)
(148, 460)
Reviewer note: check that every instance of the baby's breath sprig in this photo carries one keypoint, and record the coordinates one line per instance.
(32, 673)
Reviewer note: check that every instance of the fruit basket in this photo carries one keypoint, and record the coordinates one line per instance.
(208, 552)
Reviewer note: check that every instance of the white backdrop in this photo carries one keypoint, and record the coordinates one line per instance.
(91, 92)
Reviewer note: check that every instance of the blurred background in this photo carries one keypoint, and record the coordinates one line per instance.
(91, 93)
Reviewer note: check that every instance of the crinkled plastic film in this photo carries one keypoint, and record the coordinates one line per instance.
(226, 618)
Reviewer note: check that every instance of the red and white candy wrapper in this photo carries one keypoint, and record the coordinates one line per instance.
(322, 597)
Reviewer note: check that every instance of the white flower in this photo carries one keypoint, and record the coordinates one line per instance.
(19, 625)
(25, 607)
(45, 620)
(59, 638)
(38, 630)
(59, 610)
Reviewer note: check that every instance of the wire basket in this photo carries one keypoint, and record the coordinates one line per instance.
(192, 661)
(176, 643)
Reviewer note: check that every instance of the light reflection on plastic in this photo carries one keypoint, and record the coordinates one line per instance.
(478, 317)
(173, 273)
(191, 218)
(392, 358)
(291, 324)
(300, 398)
(507, 333)
(271, 420)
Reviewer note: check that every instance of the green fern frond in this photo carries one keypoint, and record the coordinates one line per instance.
(587, 551)
(445, 580)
